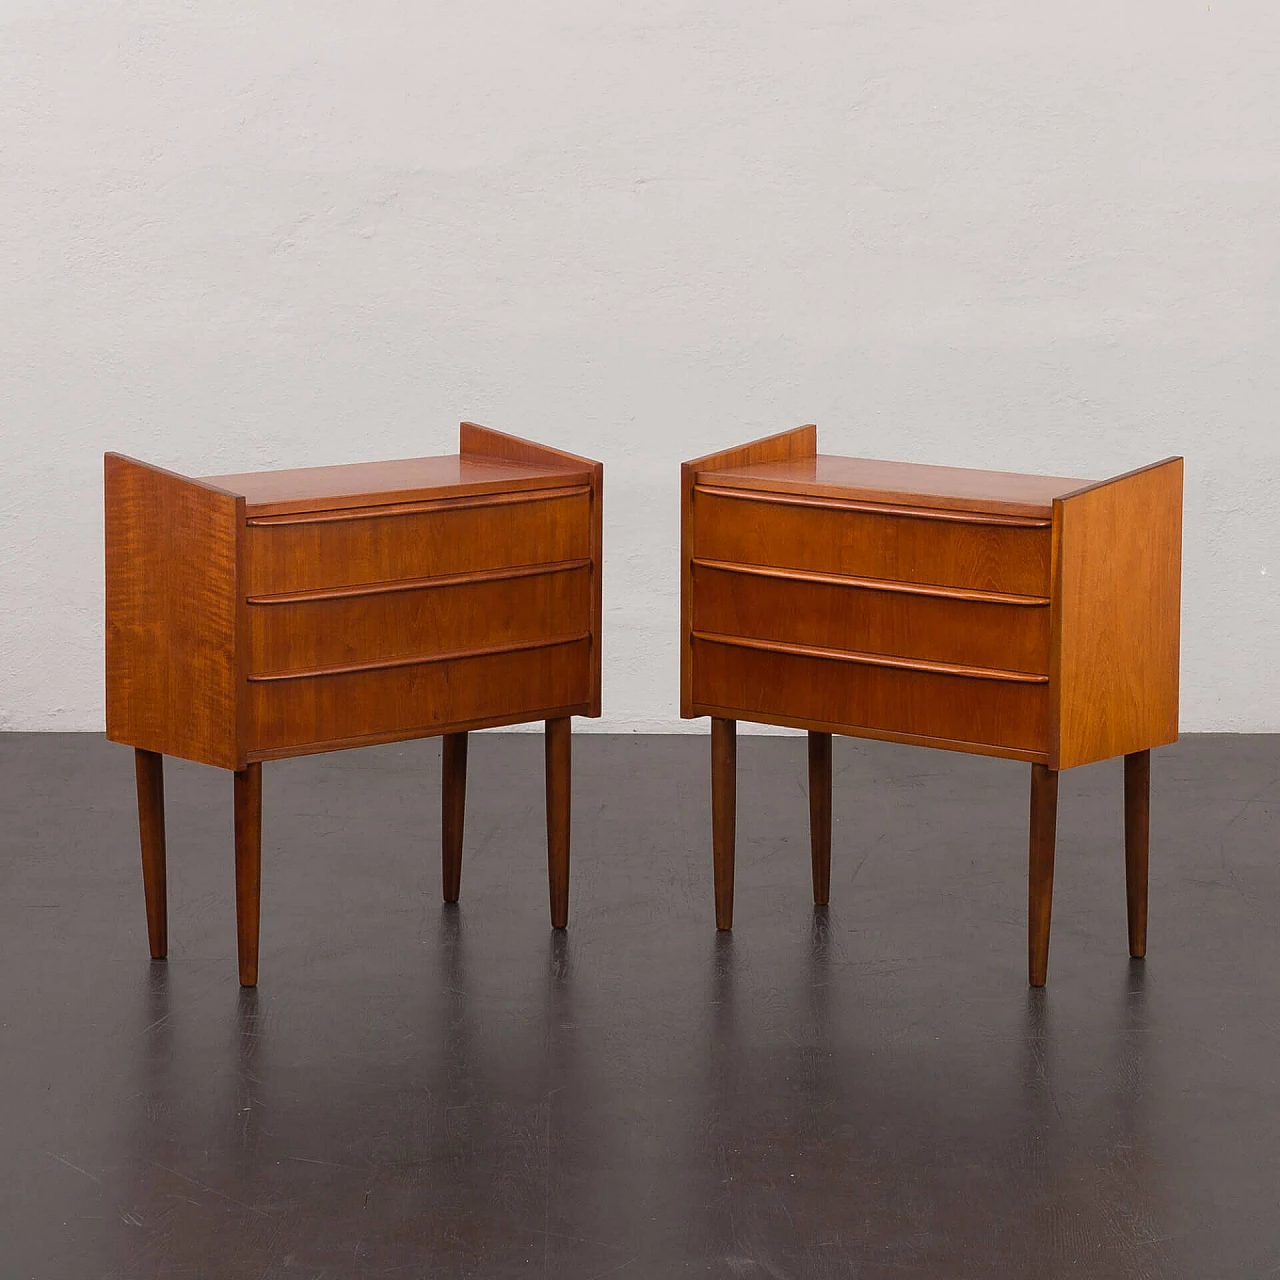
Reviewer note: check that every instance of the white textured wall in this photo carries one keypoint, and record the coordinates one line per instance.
(245, 233)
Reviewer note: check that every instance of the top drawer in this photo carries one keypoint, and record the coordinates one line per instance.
(314, 550)
(948, 548)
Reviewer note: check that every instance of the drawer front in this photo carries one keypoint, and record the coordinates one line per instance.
(343, 548)
(962, 709)
(956, 552)
(418, 699)
(836, 615)
(338, 628)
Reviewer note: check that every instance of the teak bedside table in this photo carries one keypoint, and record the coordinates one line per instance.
(253, 617)
(1022, 616)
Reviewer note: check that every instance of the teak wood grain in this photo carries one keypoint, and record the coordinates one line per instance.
(1137, 843)
(1043, 838)
(895, 483)
(401, 620)
(252, 617)
(800, 443)
(477, 440)
(453, 804)
(248, 830)
(822, 689)
(1029, 617)
(470, 473)
(149, 768)
(173, 613)
(724, 809)
(466, 535)
(820, 815)
(559, 780)
(767, 529)
(1117, 602)
(417, 700)
(869, 616)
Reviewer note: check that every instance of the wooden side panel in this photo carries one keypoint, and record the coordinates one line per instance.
(1116, 605)
(802, 442)
(596, 534)
(485, 442)
(173, 613)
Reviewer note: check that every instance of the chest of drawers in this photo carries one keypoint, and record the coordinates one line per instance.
(1029, 617)
(254, 617)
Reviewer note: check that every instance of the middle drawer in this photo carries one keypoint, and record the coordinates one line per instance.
(358, 625)
(795, 607)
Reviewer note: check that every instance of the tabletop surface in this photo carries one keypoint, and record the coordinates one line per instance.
(399, 480)
(905, 483)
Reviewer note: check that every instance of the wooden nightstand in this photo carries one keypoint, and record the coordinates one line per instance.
(1029, 617)
(253, 617)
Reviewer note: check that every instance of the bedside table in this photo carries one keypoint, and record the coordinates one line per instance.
(280, 613)
(1028, 617)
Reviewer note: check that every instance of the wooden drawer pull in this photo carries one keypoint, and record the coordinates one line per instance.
(418, 508)
(421, 584)
(872, 659)
(875, 508)
(871, 584)
(418, 660)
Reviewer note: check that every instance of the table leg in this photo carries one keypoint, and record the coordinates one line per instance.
(1044, 830)
(559, 748)
(724, 797)
(1137, 843)
(820, 814)
(453, 800)
(248, 804)
(149, 767)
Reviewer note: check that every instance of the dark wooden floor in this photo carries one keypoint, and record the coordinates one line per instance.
(868, 1091)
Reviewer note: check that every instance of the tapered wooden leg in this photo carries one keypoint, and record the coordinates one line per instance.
(1044, 831)
(149, 766)
(559, 742)
(1137, 843)
(820, 814)
(248, 787)
(724, 800)
(453, 801)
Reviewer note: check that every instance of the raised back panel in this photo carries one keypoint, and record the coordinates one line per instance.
(172, 613)
(484, 442)
(801, 442)
(1115, 616)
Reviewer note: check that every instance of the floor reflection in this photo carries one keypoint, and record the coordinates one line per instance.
(423, 1091)
(902, 1146)
(486, 1103)
(249, 1087)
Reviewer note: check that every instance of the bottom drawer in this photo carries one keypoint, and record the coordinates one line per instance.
(995, 713)
(409, 701)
